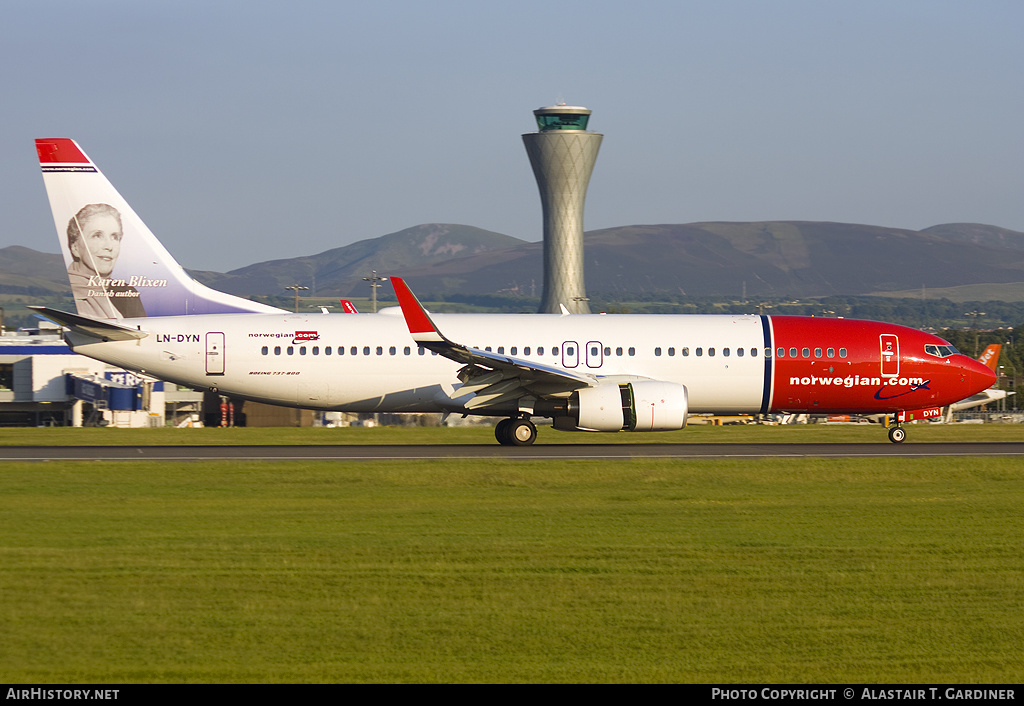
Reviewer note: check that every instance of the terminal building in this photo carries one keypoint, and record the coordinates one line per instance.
(43, 383)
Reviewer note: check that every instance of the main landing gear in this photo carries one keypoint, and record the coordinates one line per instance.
(515, 431)
(897, 434)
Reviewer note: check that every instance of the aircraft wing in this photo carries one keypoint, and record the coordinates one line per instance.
(95, 328)
(490, 378)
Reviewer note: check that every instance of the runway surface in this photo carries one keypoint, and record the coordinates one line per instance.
(489, 451)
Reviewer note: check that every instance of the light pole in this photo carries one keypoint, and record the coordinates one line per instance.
(374, 281)
(974, 327)
(296, 287)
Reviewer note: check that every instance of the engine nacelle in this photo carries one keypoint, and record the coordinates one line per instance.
(646, 405)
(658, 406)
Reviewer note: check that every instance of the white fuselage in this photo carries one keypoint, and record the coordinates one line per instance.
(370, 363)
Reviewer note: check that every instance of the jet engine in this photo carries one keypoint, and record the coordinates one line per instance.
(645, 405)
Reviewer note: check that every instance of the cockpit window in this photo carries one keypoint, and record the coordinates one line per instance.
(940, 351)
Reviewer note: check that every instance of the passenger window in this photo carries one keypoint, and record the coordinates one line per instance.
(316, 350)
(277, 350)
(711, 351)
(671, 351)
(407, 350)
(327, 350)
(805, 352)
(699, 352)
(631, 351)
(725, 352)
(380, 350)
(290, 350)
(657, 351)
(513, 351)
(554, 350)
(685, 352)
(792, 352)
(392, 350)
(817, 352)
(421, 350)
(767, 351)
(265, 350)
(501, 349)
(366, 350)
(526, 351)
(618, 351)
(739, 352)
(842, 352)
(831, 352)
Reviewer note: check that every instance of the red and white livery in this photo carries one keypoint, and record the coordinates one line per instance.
(585, 372)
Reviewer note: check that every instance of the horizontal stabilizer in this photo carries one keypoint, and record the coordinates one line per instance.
(96, 328)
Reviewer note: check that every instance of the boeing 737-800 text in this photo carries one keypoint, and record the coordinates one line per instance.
(138, 309)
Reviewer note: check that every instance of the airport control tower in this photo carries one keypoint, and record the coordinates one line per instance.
(562, 154)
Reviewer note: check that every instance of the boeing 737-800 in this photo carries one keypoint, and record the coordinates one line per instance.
(138, 309)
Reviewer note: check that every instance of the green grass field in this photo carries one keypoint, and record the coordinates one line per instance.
(793, 570)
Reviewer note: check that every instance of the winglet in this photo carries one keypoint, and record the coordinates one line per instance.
(417, 319)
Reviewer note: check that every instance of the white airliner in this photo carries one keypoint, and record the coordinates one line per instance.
(138, 309)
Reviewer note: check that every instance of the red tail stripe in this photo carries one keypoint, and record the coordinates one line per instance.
(60, 150)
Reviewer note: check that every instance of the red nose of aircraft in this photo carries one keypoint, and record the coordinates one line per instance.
(975, 376)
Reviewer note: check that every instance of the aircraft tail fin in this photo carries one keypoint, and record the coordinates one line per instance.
(990, 356)
(117, 267)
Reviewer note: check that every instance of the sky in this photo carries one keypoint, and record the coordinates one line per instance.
(250, 131)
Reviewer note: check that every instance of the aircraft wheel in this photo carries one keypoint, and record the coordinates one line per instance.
(521, 432)
(897, 435)
(501, 432)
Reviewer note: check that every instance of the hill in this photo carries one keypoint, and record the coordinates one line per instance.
(29, 272)
(339, 271)
(784, 259)
(770, 259)
(979, 234)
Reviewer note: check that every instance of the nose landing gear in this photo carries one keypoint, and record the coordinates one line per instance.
(897, 434)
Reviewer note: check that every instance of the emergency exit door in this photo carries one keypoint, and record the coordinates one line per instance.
(215, 353)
